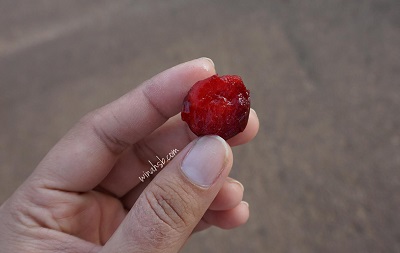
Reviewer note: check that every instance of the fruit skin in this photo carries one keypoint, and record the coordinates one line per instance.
(217, 106)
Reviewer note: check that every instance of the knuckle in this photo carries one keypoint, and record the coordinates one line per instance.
(173, 207)
(95, 123)
(89, 118)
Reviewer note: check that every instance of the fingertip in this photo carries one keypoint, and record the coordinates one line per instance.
(210, 65)
(243, 213)
(229, 196)
(167, 90)
(229, 219)
(249, 132)
(205, 64)
(252, 111)
(235, 183)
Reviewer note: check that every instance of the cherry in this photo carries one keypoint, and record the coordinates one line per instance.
(218, 105)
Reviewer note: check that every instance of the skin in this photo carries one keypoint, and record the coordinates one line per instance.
(86, 196)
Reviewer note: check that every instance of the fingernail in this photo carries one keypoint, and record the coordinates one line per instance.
(211, 61)
(233, 181)
(251, 109)
(245, 203)
(206, 160)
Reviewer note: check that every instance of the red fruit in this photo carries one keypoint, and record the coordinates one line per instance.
(217, 105)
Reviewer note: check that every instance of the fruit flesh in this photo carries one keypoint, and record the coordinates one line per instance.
(218, 106)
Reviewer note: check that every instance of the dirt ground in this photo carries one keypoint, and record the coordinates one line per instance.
(323, 174)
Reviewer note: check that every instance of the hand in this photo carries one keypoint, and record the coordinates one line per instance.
(87, 194)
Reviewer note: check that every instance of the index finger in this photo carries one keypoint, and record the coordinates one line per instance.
(87, 153)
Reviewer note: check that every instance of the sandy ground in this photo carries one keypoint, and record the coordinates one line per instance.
(323, 175)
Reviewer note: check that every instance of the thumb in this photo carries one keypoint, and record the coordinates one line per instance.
(170, 207)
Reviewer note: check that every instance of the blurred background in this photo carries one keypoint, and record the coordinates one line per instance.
(323, 174)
